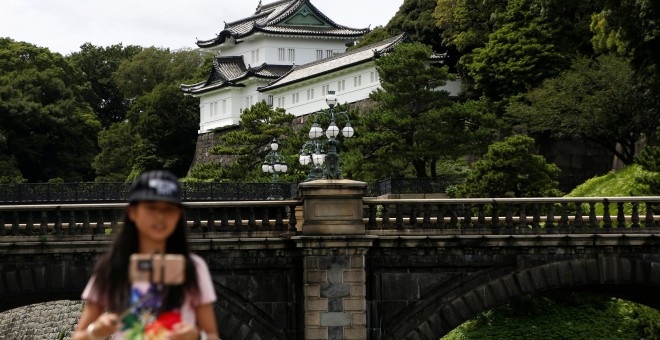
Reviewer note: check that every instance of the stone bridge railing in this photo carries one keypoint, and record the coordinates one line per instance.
(256, 217)
(512, 215)
(380, 216)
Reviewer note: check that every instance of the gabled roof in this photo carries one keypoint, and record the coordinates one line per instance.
(230, 71)
(337, 62)
(288, 17)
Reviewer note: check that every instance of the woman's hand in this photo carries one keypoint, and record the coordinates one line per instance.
(104, 326)
(184, 331)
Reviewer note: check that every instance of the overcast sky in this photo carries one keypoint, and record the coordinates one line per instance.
(64, 25)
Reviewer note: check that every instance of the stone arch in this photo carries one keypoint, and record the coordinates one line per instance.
(442, 311)
(24, 284)
(238, 318)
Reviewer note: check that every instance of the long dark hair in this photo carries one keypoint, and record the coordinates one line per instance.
(111, 271)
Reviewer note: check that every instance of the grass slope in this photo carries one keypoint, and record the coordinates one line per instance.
(571, 316)
(615, 183)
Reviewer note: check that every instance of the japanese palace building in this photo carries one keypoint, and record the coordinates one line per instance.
(290, 55)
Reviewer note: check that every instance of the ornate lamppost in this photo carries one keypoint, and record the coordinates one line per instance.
(275, 164)
(319, 153)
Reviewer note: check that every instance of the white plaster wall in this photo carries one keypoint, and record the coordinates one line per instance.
(234, 99)
(350, 93)
(268, 49)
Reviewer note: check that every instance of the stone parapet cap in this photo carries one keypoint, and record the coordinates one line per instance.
(340, 183)
(330, 188)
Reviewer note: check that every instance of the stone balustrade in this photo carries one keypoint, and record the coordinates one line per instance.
(104, 218)
(512, 215)
(472, 215)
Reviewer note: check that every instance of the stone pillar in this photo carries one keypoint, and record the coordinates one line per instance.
(335, 286)
(332, 207)
(334, 246)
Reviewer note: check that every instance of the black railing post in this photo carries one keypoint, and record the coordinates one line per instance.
(29, 225)
(522, 218)
(43, 226)
(635, 215)
(426, 222)
(620, 217)
(536, 220)
(592, 215)
(58, 221)
(210, 220)
(550, 219)
(495, 219)
(385, 221)
(86, 224)
(607, 219)
(371, 224)
(292, 219)
(2, 223)
(100, 224)
(15, 224)
(649, 222)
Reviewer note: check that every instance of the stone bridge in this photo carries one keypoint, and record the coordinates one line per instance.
(338, 265)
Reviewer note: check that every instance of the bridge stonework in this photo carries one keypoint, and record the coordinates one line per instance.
(353, 267)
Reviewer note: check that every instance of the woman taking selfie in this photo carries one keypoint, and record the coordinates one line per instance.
(114, 305)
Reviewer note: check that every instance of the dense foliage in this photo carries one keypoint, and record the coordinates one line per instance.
(49, 130)
(401, 131)
(565, 316)
(98, 64)
(509, 168)
(160, 126)
(101, 113)
(602, 100)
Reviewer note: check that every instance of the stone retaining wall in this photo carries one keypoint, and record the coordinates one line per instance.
(49, 320)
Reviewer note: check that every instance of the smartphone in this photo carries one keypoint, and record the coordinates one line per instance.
(167, 269)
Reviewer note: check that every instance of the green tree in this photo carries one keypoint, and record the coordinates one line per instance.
(415, 18)
(9, 172)
(630, 28)
(649, 159)
(249, 144)
(515, 60)
(601, 100)
(400, 132)
(114, 163)
(155, 66)
(98, 65)
(509, 47)
(510, 168)
(162, 121)
(167, 123)
(466, 24)
(50, 130)
(536, 40)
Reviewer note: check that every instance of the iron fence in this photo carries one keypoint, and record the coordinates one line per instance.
(50, 193)
(413, 185)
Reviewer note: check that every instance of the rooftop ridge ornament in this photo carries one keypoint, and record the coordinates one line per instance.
(321, 155)
(258, 7)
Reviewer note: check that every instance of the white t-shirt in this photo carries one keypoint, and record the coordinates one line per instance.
(204, 285)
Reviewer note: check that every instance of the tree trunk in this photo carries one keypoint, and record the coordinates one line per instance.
(420, 168)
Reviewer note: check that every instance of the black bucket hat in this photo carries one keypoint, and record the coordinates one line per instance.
(156, 185)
